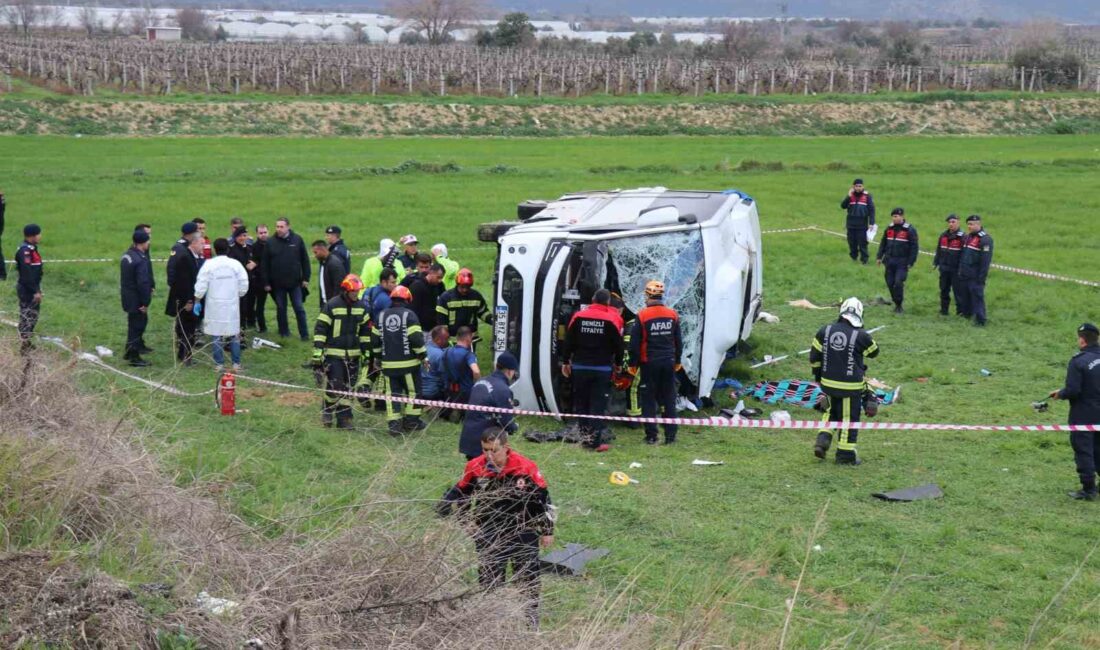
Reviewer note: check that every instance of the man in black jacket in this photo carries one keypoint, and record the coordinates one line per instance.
(241, 250)
(260, 303)
(946, 261)
(1082, 389)
(136, 284)
(861, 216)
(593, 348)
(330, 271)
(28, 284)
(977, 257)
(184, 270)
(286, 272)
(491, 391)
(898, 251)
(426, 289)
(3, 262)
(337, 246)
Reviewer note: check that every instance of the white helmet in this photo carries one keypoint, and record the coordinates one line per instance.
(851, 310)
(439, 250)
(384, 247)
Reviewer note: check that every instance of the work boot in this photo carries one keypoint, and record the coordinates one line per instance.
(343, 421)
(395, 428)
(898, 309)
(136, 360)
(145, 349)
(847, 458)
(413, 423)
(651, 440)
(326, 419)
(824, 441)
(943, 312)
(1084, 494)
(379, 405)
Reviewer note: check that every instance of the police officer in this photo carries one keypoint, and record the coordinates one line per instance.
(512, 514)
(861, 216)
(408, 257)
(593, 348)
(28, 284)
(451, 267)
(1082, 389)
(136, 285)
(977, 255)
(341, 340)
(462, 306)
(398, 344)
(898, 253)
(493, 391)
(386, 259)
(656, 346)
(336, 245)
(948, 252)
(836, 357)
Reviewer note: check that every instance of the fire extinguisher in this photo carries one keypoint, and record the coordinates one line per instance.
(225, 395)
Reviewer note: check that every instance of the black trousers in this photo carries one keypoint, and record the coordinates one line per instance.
(857, 244)
(896, 274)
(340, 376)
(248, 306)
(1086, 455)
(260, 298)
(974, 303)
(591, 394)
(844, 406)
(401, 384)
(949, 284)
(496, 551)
(136, 322)
(186, 324)
(28, 319)
(658, 388)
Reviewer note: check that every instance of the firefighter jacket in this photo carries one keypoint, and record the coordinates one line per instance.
(342, 330)
(1083, 386)
(628, 331)
(656, 337)
(977, 255)
(836, 356)
(899, 245)
(28, 271)
(861, 210)
(135, 280)
(456, 310)
(397, 340)
(948, 251)
(506, 501)
(487, 391)
(594, 339)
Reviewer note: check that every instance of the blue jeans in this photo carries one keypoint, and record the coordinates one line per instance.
(234, 349)
(280, 295)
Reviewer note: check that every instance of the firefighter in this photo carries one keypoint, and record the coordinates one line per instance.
(625, 381)
(28, 284)
(493, 391)
(593, 348)
(463, 306)
(512, 515)
(836, 357)
(898, 252)
(398, 344)
(946, 261)
(974, 263)
(341, 339)
(861, 216)
(656, 347)
(1082, 389)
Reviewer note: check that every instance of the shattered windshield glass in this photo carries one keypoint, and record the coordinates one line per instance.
(676, 259)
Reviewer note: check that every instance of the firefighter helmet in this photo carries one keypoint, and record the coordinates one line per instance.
(401, 293)
(353, 283)
(654, 289)
(465, 277)
(851, 310)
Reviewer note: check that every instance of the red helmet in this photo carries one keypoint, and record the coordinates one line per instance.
(401, 293)
(465, 278)
(353, 283)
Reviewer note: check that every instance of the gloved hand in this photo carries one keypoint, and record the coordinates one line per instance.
(678, 367)
(566, 370)
(632, 371)
(197, 309)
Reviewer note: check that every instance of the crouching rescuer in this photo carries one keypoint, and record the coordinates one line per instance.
(398, 342)
(341, 339)
(508, 499)
(836, 357)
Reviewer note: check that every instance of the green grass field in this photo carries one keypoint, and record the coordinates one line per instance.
(977, 569)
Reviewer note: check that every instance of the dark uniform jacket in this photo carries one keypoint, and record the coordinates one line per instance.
(977, 255)
(1083, 386)
(179, 250)
(407, 261)
(655, 337)
(181, 287)
(948, 251)
(135, 280)
(342, 330)
(488, 391)
(258, 248)
(861, 210)
(341, 250)
(331, 273)
(836, 356)
(425, 299)
(285, 262)
(397, 340)
(28, 272)
(508, 500)
(594, 339)
(243, 254)
(899, 245)
(456, 310)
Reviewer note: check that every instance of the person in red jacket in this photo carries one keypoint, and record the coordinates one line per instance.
(657, 346)
(593, 348)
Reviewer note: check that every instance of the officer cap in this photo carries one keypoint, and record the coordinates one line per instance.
(240, 231)
(1088, 327)
(952, 216)
(333, 230)
(858, 181)
(189, 227)
(507, 361)
(900, 211)
(140, 237)
(972, 218)
(31, 229)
